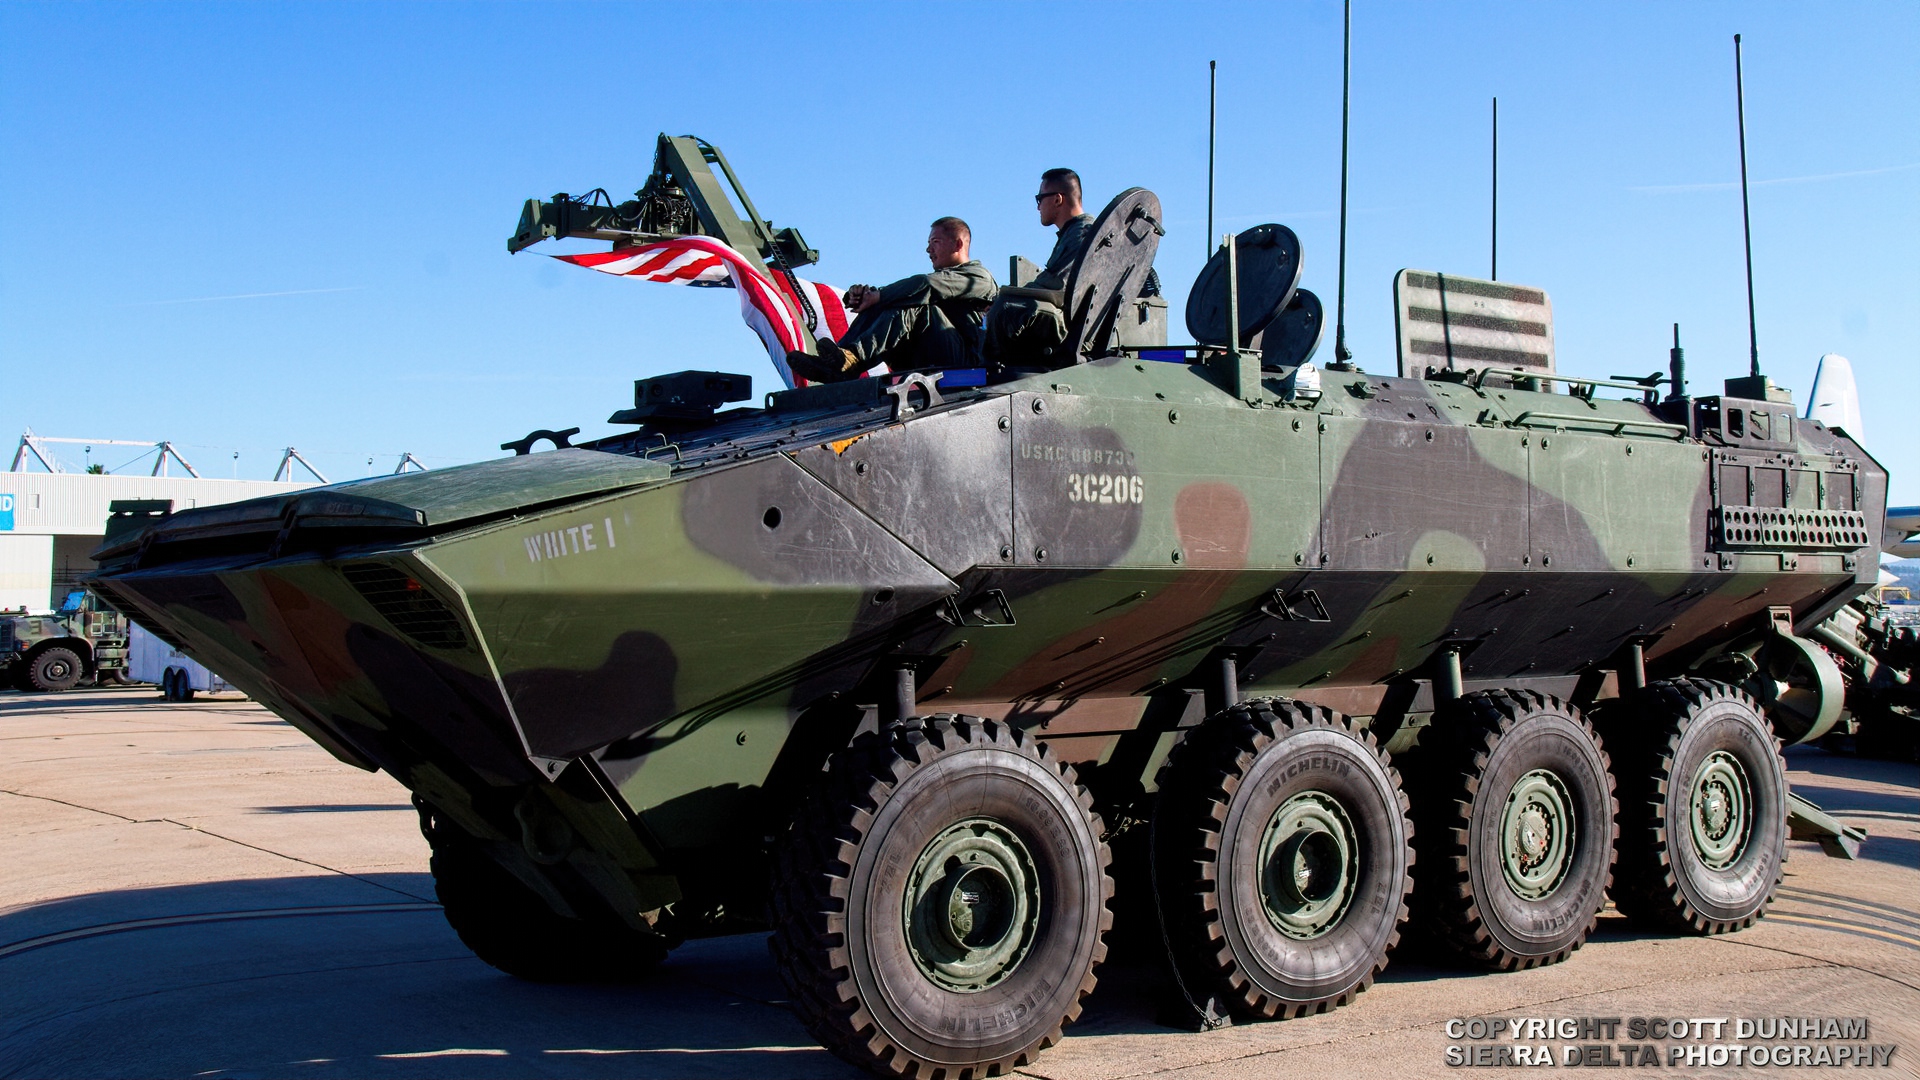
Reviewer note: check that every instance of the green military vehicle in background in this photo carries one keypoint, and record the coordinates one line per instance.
(1876, 645)
(83, 640)
(919, 671)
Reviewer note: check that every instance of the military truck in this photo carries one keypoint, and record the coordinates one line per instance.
(82, 640)
(912, 670)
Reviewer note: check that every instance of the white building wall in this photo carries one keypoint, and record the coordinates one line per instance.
(42, 511)
(75, 504)
(26, 571)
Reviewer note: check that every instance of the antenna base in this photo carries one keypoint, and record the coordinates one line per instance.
(1759, 388)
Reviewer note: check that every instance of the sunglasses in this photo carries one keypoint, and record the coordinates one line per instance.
(1045, 195)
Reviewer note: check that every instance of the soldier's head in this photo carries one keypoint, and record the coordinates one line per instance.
(1059, 197)
(948, 242)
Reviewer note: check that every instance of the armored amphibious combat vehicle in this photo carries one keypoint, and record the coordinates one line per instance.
(896, 666)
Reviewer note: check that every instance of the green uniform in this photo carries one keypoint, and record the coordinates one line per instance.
(1025, 328)
(929, 320)
(1066, 251)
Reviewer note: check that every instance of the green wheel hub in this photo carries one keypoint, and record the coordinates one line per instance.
(1721, 810)
(1309, 865)
(972, 905)
(1536, 835)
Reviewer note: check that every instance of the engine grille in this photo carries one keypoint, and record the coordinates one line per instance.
(407, 605)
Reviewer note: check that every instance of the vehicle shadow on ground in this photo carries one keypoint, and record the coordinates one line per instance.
(339, 976)
(360, 976)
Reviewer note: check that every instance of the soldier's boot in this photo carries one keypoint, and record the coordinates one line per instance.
(833, 364)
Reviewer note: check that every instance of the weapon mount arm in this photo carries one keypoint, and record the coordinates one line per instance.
(682, 197)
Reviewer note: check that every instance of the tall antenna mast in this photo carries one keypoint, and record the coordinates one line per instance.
(1746, 220)
(1212, 69)
(1341, 353)
(1494, 274)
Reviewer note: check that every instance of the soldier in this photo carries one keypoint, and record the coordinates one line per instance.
(1023, 325)
(927, 321)
(1059, 205)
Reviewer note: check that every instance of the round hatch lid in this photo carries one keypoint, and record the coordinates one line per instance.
(1291, 338)
(1113, 269)
(1269, 257)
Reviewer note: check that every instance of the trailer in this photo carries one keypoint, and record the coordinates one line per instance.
(179, 676)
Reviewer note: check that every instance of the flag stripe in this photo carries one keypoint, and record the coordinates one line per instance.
(768, 304)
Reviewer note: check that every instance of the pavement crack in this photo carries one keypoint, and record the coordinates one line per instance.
(209, 984)
(219, 836)
(303, 862)
(77, 806)
(1818, 961)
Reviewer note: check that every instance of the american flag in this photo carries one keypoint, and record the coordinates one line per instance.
(768, 303)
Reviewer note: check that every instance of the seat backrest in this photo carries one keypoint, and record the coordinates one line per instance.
(1112, 270)
(1449, 323)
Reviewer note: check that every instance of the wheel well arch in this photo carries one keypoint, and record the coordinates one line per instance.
(78, 645)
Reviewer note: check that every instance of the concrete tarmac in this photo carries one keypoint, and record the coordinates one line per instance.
(195, 890)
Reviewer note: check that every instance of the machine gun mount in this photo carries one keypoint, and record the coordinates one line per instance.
(682, 197)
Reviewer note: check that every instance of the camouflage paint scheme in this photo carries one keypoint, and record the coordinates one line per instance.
(658, 639)
(96, 634)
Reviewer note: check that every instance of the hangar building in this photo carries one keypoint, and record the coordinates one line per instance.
(50, 523)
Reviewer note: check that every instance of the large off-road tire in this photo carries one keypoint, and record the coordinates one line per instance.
(1281, 855)
(1515, 806)
(55, 668)
(1703, 807)
(940, 900)
(512, 928)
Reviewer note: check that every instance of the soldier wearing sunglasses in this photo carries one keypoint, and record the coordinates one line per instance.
(1059, 204)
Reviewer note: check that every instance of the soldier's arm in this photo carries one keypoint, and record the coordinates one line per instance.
(909, 291)
(953, 283)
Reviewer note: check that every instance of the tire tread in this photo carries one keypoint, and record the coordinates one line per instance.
(1197, 786)
(813, 869)
(1450, 776)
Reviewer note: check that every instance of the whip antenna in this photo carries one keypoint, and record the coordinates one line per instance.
(1746, 221)
(1341, 353)
(1212, 69)
(1494, 273)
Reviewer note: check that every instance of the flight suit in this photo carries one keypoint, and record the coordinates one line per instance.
(1023, 329)
(1067, 249)
(926, 321)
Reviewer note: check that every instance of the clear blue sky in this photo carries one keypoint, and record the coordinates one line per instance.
(245, 226)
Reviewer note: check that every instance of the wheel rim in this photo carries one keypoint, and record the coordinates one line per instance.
(1536, 833)
(1722, 810)
(972, 905)
(56, 670)
(1309, 865)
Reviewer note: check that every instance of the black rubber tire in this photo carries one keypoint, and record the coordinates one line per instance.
(841, 873)
(1478, 750)
(512, 928)
(1218, 791)
(1662, 738)
(55, 668)
(175, 686)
